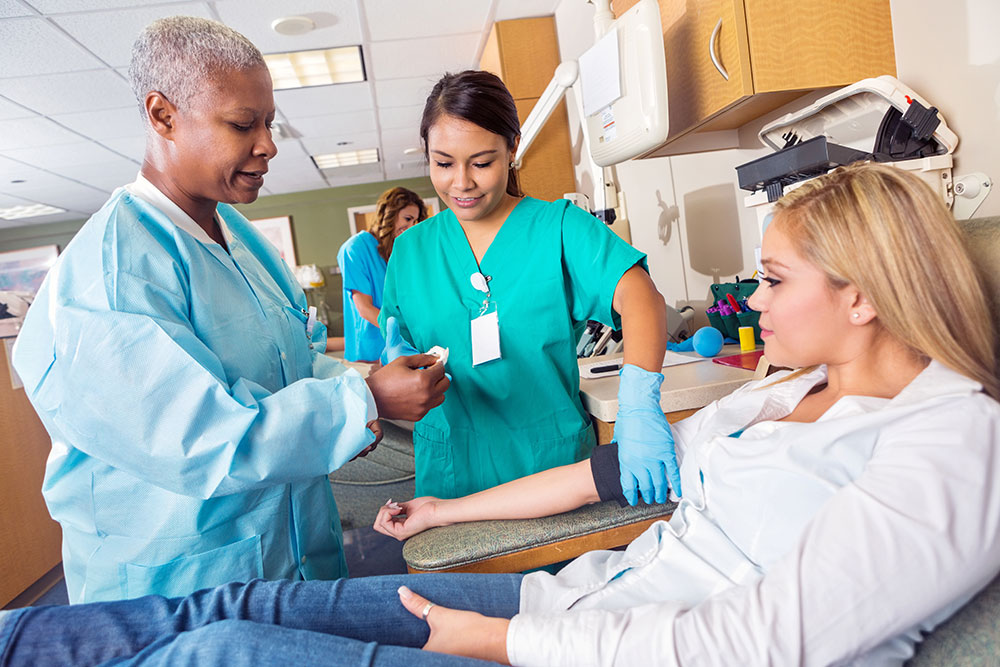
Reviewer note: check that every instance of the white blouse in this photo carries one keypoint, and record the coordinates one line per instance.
(830, 542)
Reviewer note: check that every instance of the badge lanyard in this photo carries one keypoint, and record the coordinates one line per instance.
(485, 326)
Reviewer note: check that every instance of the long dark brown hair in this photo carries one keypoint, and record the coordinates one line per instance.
(481, 99)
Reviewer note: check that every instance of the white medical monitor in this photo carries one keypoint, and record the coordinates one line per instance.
(635, 121)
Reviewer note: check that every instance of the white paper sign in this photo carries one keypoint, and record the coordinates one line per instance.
(600, 76)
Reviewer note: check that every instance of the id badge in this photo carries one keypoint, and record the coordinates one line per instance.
(486, 337)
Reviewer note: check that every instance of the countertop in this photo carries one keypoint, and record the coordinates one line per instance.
(685, 386)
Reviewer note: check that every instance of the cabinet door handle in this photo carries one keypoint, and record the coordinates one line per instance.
(711, 51)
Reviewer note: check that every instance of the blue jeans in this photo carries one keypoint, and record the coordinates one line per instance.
(343, 622)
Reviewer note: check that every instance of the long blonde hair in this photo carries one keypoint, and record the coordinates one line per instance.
(883, 230)
(388, 206)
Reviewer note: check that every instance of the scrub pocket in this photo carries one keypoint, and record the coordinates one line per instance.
(239, 561)
(434, 461)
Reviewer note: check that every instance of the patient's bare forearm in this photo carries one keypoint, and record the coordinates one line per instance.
(542, 494)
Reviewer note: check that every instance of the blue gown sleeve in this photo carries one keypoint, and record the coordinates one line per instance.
(115, 370)
(595, 259)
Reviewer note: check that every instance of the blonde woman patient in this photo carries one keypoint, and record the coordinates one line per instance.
(831, 514)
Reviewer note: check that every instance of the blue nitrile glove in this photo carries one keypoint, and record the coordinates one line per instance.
(395, 345)
(646, 455)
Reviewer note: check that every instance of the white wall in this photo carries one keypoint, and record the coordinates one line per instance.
(686, 212)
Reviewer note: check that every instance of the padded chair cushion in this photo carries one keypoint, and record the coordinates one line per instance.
(467, 543)
(361, 486)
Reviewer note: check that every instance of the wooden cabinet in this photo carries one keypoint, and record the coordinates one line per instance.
(524, 53)
(30, 539)
(772, 52)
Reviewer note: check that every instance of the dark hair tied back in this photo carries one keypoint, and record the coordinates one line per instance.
(479, 98)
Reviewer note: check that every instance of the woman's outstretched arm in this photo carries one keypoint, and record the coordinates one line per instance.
(542, 494)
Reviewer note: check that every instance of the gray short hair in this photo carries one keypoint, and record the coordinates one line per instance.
(174, 55)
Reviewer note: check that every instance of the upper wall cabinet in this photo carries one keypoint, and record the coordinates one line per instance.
(524, 53)
(730, 61)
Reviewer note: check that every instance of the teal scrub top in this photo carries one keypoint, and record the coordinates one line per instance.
(193, 422)
(363, 270)
(552, 267)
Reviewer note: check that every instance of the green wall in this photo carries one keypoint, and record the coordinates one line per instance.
(319, 226)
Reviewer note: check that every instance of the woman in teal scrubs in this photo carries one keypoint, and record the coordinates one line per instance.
(506, 282)
(362, 261)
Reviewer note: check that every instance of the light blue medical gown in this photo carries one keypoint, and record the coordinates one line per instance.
(192, 425)
(363, 270)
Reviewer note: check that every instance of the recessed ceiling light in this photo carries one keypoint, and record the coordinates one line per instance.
(28, 211)
(293, 25)
(300, 69)
(346, 158)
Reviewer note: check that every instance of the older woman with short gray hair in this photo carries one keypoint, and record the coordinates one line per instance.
(174, 361)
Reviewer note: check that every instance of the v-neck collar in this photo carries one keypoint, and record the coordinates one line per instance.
(462, 247)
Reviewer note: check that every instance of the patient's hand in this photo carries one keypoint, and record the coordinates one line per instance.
(403, 520)
(458, 632)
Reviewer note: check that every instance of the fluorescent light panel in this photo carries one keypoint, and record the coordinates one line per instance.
(346, 158)
(300, 69)
(28, 211)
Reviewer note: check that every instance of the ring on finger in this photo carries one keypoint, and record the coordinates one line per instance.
(427, 610)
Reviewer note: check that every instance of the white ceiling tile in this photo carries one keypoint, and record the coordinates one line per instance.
(62, 155)
(6, 201)
(68, 92)
(425, 56)
(405, 169)
(64, 6)
(110, 34)
(405, 92)
(105, 124)
(338, 27)
(41, 220)
(335, 124)
(320, 100)
(344, 142)
(61, 192)
(31, 46)
(294, 182)
(9, 110)
(401, 138)
(356, 171)
(11, 8)
(105, 176)
(130, 147)
(395, 118)
(519, 9)
(29, 132)
(392, 19)
(11, 170)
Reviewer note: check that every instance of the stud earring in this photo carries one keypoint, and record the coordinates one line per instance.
(511, 165)
(856, 315)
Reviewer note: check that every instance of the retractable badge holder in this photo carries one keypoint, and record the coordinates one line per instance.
(486, 325)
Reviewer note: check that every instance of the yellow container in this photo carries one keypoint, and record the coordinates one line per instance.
(747, 343)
